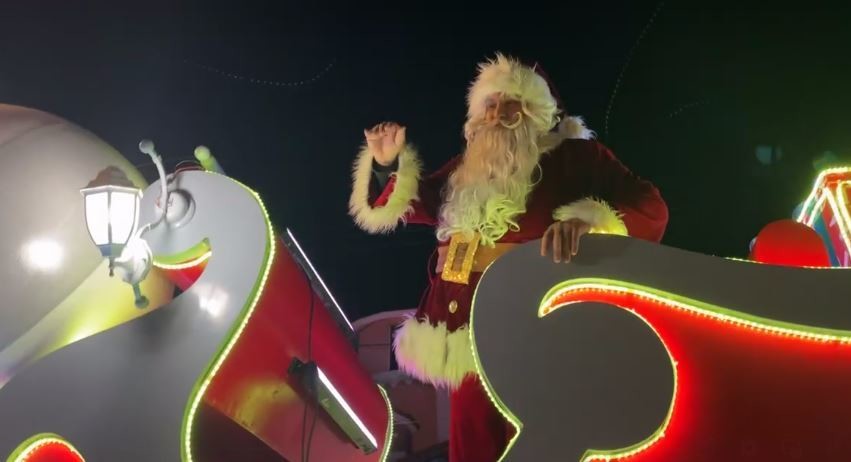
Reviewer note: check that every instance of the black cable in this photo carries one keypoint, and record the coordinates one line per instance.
(310, 324)
(310, 436)
(309, 356)
(303, 428)
(305, 454)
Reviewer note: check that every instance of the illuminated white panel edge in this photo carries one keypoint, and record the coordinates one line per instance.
(315, 273)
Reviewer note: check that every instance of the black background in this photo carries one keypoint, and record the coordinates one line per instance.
(682, 91)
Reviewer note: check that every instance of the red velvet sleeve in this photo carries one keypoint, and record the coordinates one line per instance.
(644, 211)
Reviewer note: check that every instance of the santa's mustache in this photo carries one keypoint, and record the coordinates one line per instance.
(494, 126)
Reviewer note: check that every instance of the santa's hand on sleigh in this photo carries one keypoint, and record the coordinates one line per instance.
(563, 238)
(385, 141)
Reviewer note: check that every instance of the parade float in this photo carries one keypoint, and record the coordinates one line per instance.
(176, 321)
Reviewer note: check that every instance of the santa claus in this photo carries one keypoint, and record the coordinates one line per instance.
(525, 174)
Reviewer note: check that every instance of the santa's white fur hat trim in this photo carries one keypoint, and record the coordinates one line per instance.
(510, 77)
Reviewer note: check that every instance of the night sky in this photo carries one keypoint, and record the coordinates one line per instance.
(281, 92)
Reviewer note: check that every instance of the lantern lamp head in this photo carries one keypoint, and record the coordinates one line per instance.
(112, 218)
(112, 211)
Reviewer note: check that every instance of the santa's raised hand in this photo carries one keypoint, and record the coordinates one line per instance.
(385, 141)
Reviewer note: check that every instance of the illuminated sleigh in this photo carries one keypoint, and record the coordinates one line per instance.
(641, 352)
(253, 360)
(209, 376)
(634, 351)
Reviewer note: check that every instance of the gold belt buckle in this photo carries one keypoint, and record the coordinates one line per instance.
(459, 258)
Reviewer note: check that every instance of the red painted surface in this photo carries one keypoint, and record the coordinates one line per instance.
(185, 277)
(253, 387)
(52, 452)
(789, 243)
(217, 438)
(744, 395)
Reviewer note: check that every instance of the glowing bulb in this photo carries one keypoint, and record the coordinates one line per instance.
(43, 255)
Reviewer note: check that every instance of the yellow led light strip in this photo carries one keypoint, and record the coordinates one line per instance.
(34, 443)
(189, 264)
(201, 387)
(388, 435)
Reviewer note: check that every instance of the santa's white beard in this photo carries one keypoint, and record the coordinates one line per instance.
(488, 191)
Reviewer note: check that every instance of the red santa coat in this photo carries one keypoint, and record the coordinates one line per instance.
(579, 178)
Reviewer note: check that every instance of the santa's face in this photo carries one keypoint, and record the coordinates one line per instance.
(506, 111)
(501, 146)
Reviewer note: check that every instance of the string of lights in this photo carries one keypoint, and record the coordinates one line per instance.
(259, 81)
(628, 61)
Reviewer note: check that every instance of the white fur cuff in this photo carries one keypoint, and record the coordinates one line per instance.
(571, 128)
(574, 128)
(600, 215)
(385, 218)
(432, 354)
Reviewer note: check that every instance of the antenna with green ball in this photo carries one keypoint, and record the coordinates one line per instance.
(206, 159)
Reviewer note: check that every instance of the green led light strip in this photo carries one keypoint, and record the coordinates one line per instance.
(203, 383)
(189, 264)
(193, 253)
(495, 399)
(23, 452)
(388, 435)
(702, 309)
(816, 268)
(201, 386)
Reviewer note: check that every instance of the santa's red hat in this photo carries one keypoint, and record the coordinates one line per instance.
(551, 85)
(526, 83)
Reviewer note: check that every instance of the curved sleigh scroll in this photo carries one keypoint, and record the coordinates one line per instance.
(140, 391)
(643, 352)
